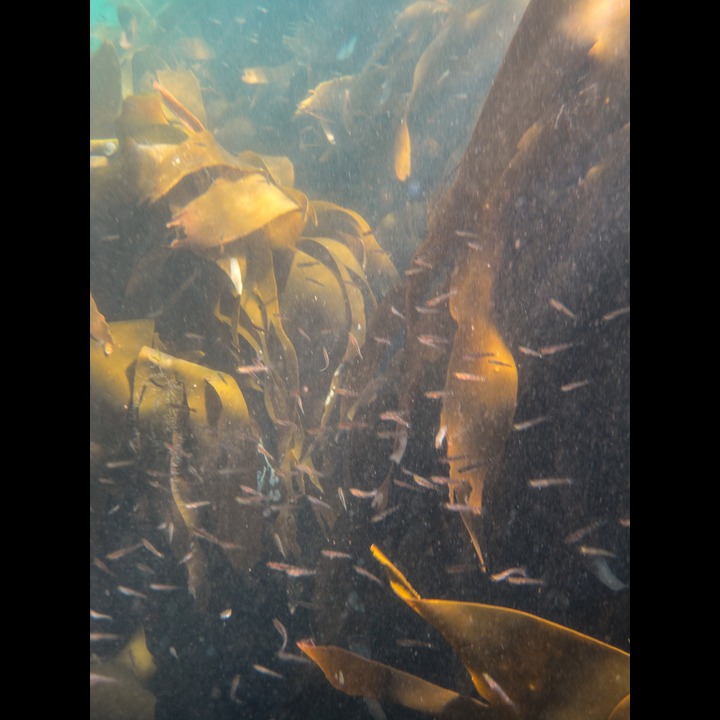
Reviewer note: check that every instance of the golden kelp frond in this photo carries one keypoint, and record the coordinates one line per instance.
(230, 210)
(359, 677)
(334, 221)
(111, 377)
(538, 668)
(198, 152)
(213, 398)
(179, 405)
(524, 666)
(142, 119)
(278, 167)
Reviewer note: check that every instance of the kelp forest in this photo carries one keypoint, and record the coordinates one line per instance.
(360, 318)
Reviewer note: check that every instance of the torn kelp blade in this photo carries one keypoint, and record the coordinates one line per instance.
(359, 677)
(535, 667)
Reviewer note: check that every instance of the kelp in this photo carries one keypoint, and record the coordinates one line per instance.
(279, 251)
(521, 665)
(173, 403)
(428, 77)
(118, 686)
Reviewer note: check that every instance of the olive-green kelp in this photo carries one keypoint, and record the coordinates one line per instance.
(522, 666)
(527, 255)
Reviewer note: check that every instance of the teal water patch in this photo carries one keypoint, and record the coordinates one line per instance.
(103, 14)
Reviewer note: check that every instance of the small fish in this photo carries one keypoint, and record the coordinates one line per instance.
(587, 551)
(355, 344)
(278, 543)
(519, 580)
(96, 679)
(336, 555)
(529, 351)
(149, 546)
(252, 369)
(234, 685)
(205, 535)
(435, 394)
(181, 112)
(265, 453)
(432, 302)
(422, 482)
(363, 494)
(341, 495)
(291, 570)
(510, 572)
(462, 508)
(367, 574)
(471, 377)
(552, 349)
(582, 532)
(122, 552)
(283, 633)
(467, 234)
(346, 49)
(292, 657)
(317, 501)
(267, 671)
(123, 590)
(395, 417)
(607, 317)
(99, 616)
(385, 513)
(573, 386)
(549, 482)
(117, 464)
(557, 305)
(197, 504)
(432, 340)
(226, 614)
(100, 637)
(527, 424)
(411, 643)
(160, 587)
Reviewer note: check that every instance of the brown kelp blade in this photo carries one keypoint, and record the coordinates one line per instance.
(359, 677)
(532, 666)
(232, 210)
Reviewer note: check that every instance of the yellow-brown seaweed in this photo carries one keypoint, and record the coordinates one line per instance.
(522, 666)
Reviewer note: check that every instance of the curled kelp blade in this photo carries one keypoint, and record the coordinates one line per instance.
(111, 377)
(533, 666)
(359, 677)
(198, 152)
(334, 221)
(234, 209)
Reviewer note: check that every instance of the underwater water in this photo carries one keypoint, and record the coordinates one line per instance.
(359, 277)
